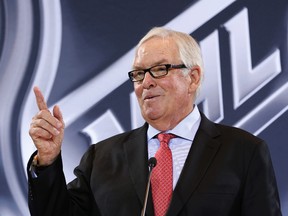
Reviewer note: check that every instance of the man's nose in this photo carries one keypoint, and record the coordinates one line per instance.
(148, 81)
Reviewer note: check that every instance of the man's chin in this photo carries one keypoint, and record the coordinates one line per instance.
(151, 116)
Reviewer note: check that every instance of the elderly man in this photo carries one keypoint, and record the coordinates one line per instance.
(202, 168)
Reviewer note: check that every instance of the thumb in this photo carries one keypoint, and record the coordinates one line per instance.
(58, 114)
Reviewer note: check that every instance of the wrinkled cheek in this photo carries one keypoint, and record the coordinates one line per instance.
(138, 90)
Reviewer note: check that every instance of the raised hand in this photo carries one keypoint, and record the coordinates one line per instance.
(46, 131)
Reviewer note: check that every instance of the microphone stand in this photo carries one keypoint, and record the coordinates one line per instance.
(151, 164)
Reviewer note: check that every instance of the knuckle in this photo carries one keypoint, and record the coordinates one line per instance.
(33, 132)
(43, 113)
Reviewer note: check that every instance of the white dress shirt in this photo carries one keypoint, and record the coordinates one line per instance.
(180, 145)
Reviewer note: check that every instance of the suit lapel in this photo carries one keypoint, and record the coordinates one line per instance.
(200, 156)
(137, 156)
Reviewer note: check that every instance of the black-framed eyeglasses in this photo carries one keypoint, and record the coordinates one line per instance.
(155, 71)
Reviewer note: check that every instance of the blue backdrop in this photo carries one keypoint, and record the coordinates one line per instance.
(79, 52)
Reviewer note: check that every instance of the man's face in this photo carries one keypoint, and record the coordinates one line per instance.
(164, 101)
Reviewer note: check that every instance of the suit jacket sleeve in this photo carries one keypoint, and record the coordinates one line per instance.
(48, 194)
(260, 195)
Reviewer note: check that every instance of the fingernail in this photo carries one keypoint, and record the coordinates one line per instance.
(56, 132)
(59, 125)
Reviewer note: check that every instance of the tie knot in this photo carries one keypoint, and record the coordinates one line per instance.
(165, 137)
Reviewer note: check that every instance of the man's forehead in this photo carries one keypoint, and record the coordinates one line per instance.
(156, 49)
(159, 41)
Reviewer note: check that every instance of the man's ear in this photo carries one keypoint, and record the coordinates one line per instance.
(195, 77)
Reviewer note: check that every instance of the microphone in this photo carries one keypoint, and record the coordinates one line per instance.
(152, 162)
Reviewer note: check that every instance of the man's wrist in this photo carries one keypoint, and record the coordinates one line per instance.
(36, 168)
(44, 160)
(35, 161)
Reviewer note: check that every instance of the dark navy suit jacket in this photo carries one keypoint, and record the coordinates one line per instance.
(227, 172)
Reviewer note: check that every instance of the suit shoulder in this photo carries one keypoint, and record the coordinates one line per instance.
(238, 135)
(227, 132)
(118, 139)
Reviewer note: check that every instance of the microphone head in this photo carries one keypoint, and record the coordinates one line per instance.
(152, 162)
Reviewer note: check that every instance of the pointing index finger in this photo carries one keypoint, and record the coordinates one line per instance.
(40, 99)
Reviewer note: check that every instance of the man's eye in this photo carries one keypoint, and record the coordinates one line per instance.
(159, 69)
(139, 73)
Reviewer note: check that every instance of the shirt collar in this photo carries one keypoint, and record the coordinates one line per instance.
(185, 129)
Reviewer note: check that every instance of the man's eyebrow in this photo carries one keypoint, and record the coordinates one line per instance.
(137, 68)
(160, 62)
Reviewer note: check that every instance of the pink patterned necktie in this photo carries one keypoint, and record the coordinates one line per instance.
(162, 177)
